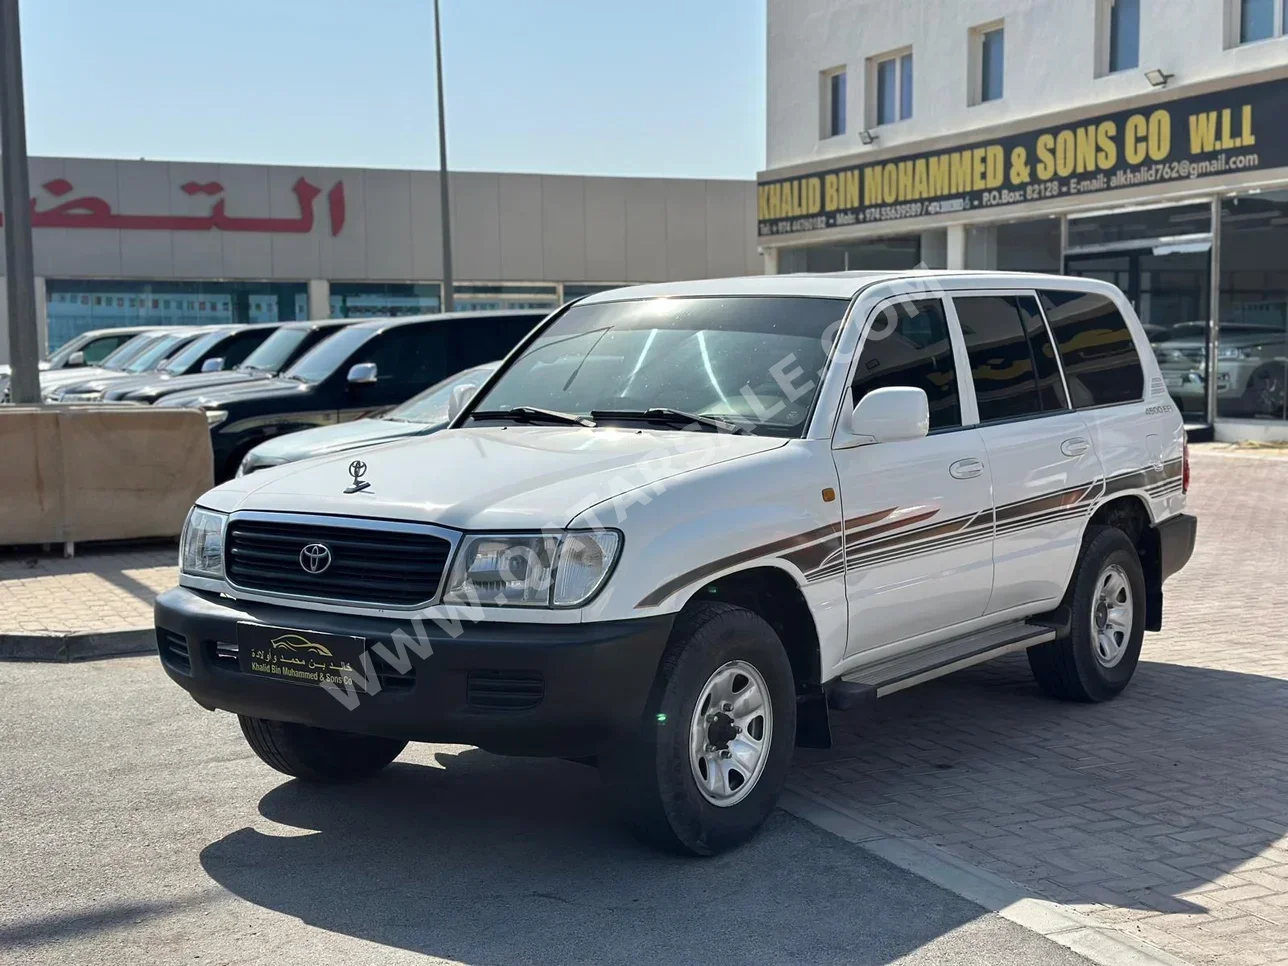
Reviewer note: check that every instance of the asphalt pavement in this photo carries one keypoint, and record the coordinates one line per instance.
(136, 828)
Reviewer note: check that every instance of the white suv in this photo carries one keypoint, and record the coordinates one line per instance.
(681, 521)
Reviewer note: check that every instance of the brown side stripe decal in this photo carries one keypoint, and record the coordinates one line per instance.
(870, 539)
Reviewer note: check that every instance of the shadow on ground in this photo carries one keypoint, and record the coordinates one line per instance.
(490, 860)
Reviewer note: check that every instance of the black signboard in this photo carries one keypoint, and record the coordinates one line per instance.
(1204, 136)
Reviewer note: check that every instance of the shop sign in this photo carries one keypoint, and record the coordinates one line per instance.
(1204, 136)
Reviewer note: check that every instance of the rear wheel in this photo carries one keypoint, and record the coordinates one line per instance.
(318, 754)
(716, 742)
(1096, 659)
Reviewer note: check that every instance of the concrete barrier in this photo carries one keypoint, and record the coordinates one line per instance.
(99, 472)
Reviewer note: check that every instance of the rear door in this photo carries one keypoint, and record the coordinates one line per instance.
(917, 553)
(1045, 470)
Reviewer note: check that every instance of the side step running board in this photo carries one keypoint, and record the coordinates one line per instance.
(926, 663)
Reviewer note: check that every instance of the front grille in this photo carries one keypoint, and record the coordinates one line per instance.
(396, 567)
(504, 690)
(174, 651)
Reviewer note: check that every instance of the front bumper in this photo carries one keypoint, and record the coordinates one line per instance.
(524, 689)
(1176, 537)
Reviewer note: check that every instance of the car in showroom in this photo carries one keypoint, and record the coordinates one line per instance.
(419, 416)
(361, 371)
(682, 521)
(1251, 368)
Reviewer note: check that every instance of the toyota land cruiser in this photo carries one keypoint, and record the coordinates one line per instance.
(682, 521)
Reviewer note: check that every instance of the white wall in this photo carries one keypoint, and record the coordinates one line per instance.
(518, 227)
(1049, 65)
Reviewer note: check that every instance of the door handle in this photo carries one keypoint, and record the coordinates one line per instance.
(1075, 447)
(966, 469)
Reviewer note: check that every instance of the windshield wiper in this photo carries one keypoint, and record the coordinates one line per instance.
(668, 416)
(533, 414)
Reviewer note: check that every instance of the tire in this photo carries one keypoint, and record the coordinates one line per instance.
(1085, 665)
(317, 754)
(716, 650)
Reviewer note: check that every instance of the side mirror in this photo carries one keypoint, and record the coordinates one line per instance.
(889, 415)
(212, 365)
(362, 374)
(460, 398)
(76, 360)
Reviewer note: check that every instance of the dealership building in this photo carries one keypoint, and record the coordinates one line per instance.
(1143, 142)
(169, 243)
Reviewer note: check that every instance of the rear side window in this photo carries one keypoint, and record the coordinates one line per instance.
(909, 345)
(1012, 361)
(1100, 361)
(100, 349)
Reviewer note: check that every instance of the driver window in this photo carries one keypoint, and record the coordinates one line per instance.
(908, 345)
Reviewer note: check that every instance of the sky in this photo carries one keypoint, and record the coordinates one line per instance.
(664, 88)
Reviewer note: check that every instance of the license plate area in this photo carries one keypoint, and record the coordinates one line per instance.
(297, 656)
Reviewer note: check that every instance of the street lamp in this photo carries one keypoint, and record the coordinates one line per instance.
(449, 300)
(24, 348)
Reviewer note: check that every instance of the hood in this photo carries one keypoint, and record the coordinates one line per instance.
(515, 477)
(223, 396)
(332, 439)
(147, 389)
(52, 378)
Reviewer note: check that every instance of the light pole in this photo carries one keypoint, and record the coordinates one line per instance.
(24, 339)
(449, 300)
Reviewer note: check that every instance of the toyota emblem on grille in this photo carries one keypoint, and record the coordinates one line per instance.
(315, 558)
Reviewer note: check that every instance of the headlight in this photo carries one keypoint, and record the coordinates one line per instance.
(1233, 352)
(201, 548)
(81, 396)
(215, 416)
(532, 570)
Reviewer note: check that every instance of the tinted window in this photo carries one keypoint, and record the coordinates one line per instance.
(410, 357)
(96, 350)
(1050, 386)
(239, 346)
(1001, 361)
(324, 358)
(1096, 347)
(909, 346)
(184, 361)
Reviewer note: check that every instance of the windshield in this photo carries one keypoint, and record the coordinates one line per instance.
(273, 352)
(131, 350)
(322, 360)
(430, 407)
(753, 362)
(155, 353)
(187, 357)
(59, 357)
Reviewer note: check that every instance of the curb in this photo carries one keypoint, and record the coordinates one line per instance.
(76, 647)
(1059, 923)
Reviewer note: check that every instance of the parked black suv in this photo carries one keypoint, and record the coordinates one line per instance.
(274, 355)
(362, 370)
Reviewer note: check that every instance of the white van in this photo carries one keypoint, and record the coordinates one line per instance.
(680, 521)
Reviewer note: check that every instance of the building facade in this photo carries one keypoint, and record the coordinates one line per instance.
(1143, 142)
(147, 242)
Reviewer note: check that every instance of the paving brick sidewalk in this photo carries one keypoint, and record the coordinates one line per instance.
(99, 591)
(1164, 812)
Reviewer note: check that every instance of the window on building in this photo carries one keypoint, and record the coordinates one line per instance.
(1001, 356)
(499, 296)
(909, 345)
(360, 300)
(832, 99)
(890, 84)
(1118, 35)
(1256, 20)
(883, 254)
(89, 304)
(1100, 361)
(988, 57)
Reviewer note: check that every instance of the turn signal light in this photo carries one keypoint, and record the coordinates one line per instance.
(1185, 467)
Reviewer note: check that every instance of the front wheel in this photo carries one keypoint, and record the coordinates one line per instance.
(715, 744)
(317, 754)
(1095, 660)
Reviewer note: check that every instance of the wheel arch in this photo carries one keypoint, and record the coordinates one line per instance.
(1131, 514)
(774, 594)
